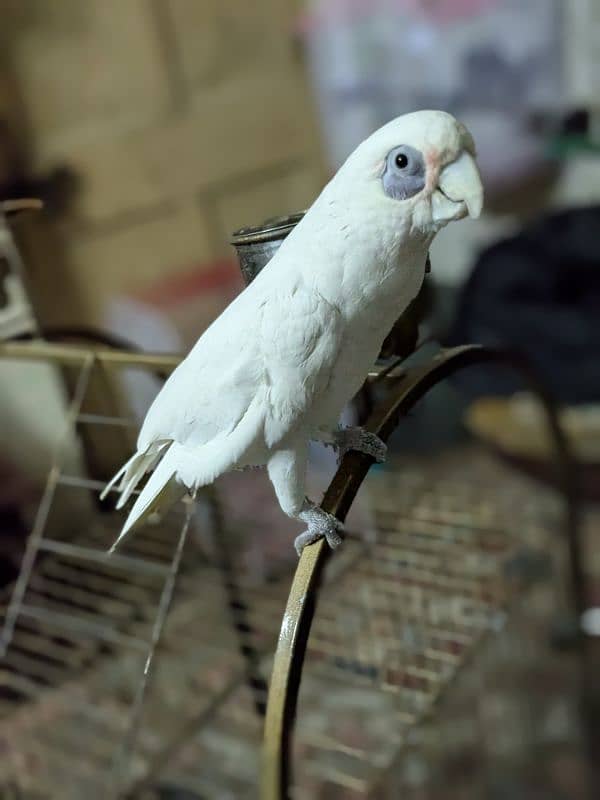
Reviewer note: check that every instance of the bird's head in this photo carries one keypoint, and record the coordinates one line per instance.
(420, 166)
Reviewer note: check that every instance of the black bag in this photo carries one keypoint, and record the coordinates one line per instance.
(538, 293)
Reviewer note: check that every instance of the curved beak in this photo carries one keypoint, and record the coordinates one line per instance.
(460, 181)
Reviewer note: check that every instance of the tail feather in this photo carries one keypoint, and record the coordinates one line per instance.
(119, 475)
(136, 472)
(161, 490)
(133, 470)
(182, 468)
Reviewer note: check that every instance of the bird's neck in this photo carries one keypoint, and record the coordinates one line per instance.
(366, 265)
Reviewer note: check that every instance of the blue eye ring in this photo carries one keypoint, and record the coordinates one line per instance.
(404, 175)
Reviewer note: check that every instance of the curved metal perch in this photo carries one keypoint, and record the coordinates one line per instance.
(300, 609)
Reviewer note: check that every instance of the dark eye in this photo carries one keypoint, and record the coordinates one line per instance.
(401, 160)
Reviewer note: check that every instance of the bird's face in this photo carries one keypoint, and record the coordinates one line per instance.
(421, 166)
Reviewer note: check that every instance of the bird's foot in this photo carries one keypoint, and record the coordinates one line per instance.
(361, 440)
(320, 524)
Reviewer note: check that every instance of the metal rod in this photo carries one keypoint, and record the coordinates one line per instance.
(129, 563)
(103, 419)
(238, 609)
(117, 775)
(73, 355)
(112, 359)
(75, 624)
(81, 483)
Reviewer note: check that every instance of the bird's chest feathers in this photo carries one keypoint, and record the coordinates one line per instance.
(370, 264)
(379, 282)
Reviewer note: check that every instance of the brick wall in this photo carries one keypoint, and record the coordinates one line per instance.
(185, 120)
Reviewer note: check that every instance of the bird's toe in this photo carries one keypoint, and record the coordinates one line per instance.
(303, 539)
(373, 446)
(320, 525)
(362, 441)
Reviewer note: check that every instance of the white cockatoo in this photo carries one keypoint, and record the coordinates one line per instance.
(276, 368)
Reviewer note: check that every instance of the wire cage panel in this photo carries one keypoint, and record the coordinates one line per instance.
(80, 627)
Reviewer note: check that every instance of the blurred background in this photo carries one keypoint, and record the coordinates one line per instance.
(153, 129)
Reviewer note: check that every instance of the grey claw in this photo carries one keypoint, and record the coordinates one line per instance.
(362, 441)
(333, 537)
(308, 537)
(320, 524)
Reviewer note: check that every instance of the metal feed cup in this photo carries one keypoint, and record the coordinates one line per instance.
(257, 245)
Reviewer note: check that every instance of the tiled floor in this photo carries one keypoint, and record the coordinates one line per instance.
(430, 673)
